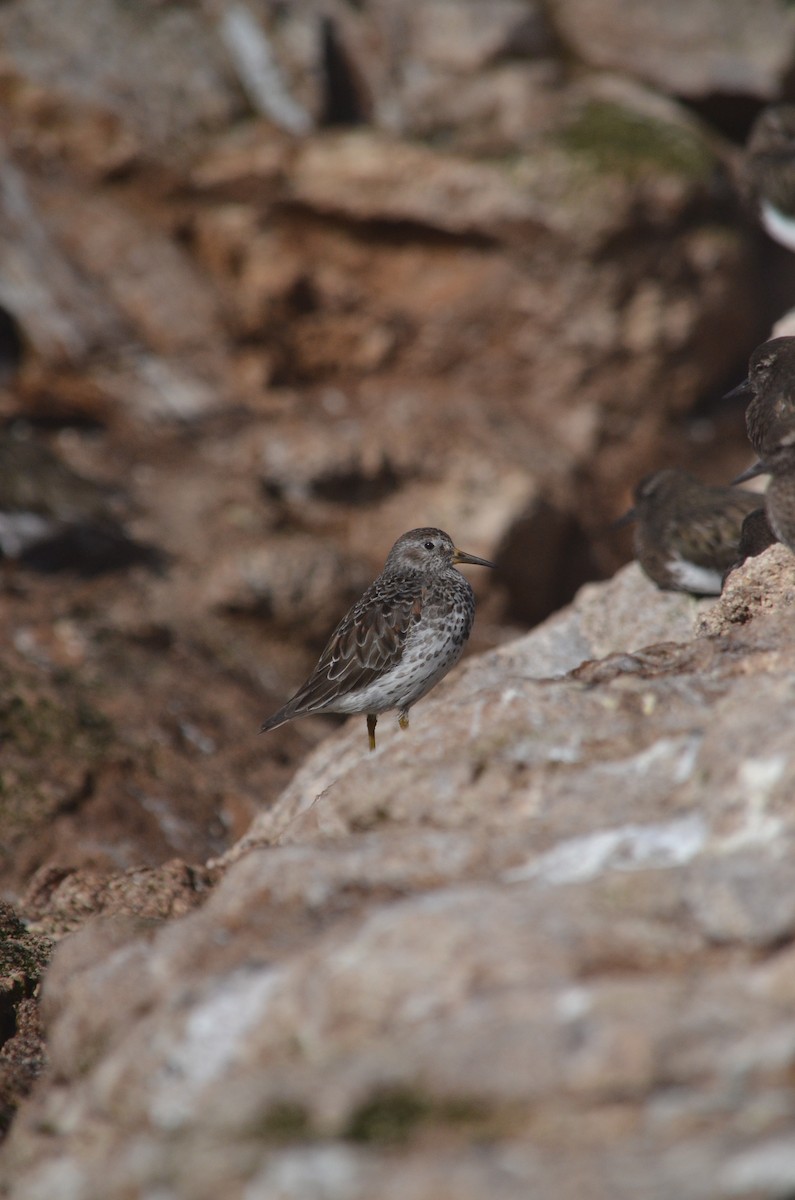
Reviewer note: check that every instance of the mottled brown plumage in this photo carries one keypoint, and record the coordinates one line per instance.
(779, 463)
(756, 534)
(770, 387)
(687, 533)
(755, 537)
(398, 640)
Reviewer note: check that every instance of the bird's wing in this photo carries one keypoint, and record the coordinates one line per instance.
(709, 533)
(368, 642)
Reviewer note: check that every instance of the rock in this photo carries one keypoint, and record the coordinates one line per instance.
(58, 900)
(688, 49)
(765, 583)
(113, 300)
(628, 612)
(54, 307)
(487, 112)
(291, 583)
(161, 69)
(552, 896)
(464, 38)
(92, 781)
(367, 177)
(23, 957)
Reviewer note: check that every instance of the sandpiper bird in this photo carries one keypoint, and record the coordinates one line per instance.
(769, 171)
(687, 533)
(770, 386)
(779, 463)
(755, 537)
(756, 534)
(398, 640)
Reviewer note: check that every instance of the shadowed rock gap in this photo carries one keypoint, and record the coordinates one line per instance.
(345, 100)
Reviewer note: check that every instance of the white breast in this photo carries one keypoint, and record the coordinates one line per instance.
(428, 657)
(692, 578)
(780, 226)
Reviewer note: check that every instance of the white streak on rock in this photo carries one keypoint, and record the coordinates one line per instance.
(762, 774)
(679, 754)
(259, 71)
(573, 1003)
(629, 848)
(767, 1170)
(215, 1035)
(757, 778)
(330, 1172)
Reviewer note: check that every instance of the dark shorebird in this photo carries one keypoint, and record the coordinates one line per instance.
(755, 536)
(769, 171)
(398, 640)
(687, 533)
(779, 463)
(770, 389)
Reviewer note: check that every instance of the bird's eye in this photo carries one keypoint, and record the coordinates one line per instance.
(429, 545)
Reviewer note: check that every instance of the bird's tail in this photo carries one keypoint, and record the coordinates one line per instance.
(278, 718)
(293, 708)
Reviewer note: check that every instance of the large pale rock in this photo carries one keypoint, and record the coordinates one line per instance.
(765, 583)
(163, 70)
(57, 310)
(91, 286)
(548, 927)
(690, 48)
(466, 37)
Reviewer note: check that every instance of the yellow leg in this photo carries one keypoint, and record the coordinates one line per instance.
(403, 719)
(372, 720)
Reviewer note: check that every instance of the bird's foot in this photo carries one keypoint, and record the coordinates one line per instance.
(372, 721)
(403, 720)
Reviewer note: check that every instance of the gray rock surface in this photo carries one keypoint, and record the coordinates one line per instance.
(691, 47)
(540, 945)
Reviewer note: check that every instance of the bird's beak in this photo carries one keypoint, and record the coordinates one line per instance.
(460, 556)
(743, 391)
(757, 468)
(621, 522)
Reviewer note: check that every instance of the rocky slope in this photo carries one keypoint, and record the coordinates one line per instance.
(539, 945)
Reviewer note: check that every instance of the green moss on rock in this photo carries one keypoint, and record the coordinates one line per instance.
(393, 1116)
(52, 739)
(36, 724)
(285, 1122)
(23, 955)
(630, 143)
